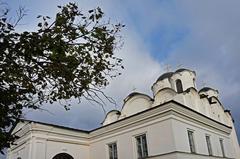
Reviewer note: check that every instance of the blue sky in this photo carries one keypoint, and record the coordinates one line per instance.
(201, 35)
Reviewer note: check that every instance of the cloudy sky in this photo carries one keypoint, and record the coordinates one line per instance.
(201, 35)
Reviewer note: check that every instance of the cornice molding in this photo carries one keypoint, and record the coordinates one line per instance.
(187, 154)
(68, 141)
(47, 133)
(170, 108)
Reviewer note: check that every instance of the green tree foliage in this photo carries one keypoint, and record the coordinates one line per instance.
(70, 56)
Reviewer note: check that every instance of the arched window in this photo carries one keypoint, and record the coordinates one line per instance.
(179, 86)
(63, 156)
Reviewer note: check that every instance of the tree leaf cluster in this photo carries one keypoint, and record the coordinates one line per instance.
(68, 56)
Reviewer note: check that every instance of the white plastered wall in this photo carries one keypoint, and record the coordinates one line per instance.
(135, 104)
(22, 151)
(187, 78)
(44, 142)
(111, 117)
(180, 128)
(159, 140)
(164, 95)
(161, 84)
(23, 147)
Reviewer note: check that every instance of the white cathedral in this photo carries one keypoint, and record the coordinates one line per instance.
(178, 122)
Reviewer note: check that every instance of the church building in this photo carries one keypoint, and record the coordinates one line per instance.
(177, 122)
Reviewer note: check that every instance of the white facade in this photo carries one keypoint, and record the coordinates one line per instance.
(173, 124)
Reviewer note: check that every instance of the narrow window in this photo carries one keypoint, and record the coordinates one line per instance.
(209, 146)
(191, 141)
(222, 147)
(179, 86)
(194, 83)
(142, 146)
(112, 151)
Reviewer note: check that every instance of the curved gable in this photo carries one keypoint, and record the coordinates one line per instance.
(164, 95)
(111, 117)
(135, 103)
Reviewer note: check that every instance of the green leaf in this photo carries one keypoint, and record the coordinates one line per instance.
(63, 59)
(90, 11)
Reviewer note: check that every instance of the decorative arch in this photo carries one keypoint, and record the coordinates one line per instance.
(135, 103)
(111, 117)
(62, 156)
(164, 95)
(179, 86)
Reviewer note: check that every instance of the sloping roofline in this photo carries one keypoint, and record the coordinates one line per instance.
(114, 110)
(89, 131)
(58, 126)
(205, 89)
(134, 94)
(170, 74)
(171, 101)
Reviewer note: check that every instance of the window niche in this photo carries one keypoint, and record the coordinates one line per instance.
(222, 147)
(209, 146)
(142, 149)
(179, 86)
(113, 151)
(191, 141)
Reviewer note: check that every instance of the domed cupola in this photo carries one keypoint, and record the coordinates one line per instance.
(162, 82)
(209, 92)
(111, 117)
(135, 103)
(179, 81)
(183, 79)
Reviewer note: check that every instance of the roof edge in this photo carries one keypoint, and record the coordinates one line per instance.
(58, 126)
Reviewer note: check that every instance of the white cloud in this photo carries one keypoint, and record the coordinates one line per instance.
(211, 47)
(141, 70)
